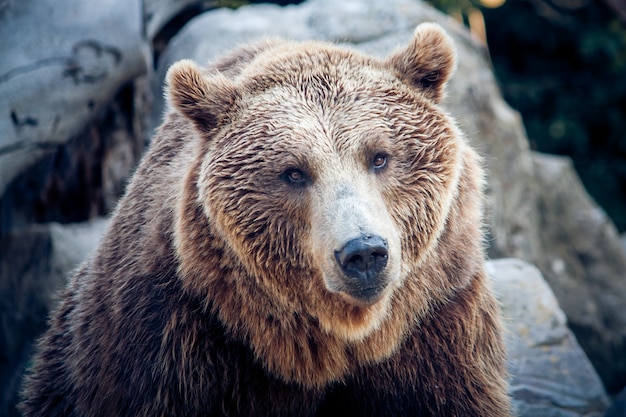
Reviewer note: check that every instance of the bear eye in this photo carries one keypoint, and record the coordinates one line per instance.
(294, 176)
(379, 161)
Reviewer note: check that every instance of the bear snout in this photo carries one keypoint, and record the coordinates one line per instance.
(363, 261)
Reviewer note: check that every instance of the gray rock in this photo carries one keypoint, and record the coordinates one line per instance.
(584, 263)
(62, 64)
(157, 13)
(85, 177)
(34, 265)
(551, 376)
(72, 244)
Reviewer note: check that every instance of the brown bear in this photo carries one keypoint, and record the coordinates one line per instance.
(303, 238)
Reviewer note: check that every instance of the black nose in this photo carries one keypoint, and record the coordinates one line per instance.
(363, 258)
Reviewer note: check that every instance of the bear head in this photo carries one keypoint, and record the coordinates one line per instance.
(322, 180)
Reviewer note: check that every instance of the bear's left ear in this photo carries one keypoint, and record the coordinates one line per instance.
(427, 62)
(204, 99)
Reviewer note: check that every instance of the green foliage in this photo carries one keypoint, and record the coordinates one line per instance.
(562, 64)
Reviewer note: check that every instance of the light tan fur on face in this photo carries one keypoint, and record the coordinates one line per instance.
(347, 203)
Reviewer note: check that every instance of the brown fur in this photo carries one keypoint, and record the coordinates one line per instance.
(216, 292)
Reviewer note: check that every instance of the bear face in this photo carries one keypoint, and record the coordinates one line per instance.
(323, 180)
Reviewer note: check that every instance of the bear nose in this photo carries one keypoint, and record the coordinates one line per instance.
(364, 257)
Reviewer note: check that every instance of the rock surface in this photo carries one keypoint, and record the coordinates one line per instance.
(517, 224)
(84, 177)
(62, 64)
(551, 376)
(34, 265)
(157, 13)
(584, 265)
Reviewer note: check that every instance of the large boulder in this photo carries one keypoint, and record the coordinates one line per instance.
(84, 177)
(62, 63)
(585, 264)
(158, 13)
(517, 205)
(550, 374)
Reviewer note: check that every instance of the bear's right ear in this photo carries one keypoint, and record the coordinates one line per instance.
(427, 62)
(203, 99)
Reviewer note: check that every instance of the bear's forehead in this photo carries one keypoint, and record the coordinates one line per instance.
(316, 68)
(337, 86)
(323, 97)
(318, 115)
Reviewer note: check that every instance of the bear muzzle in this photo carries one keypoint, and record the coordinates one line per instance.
(363, 261)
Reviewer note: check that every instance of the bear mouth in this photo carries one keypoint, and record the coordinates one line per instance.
(364, 296)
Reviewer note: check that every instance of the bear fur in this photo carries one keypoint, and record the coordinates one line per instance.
(302, 238)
